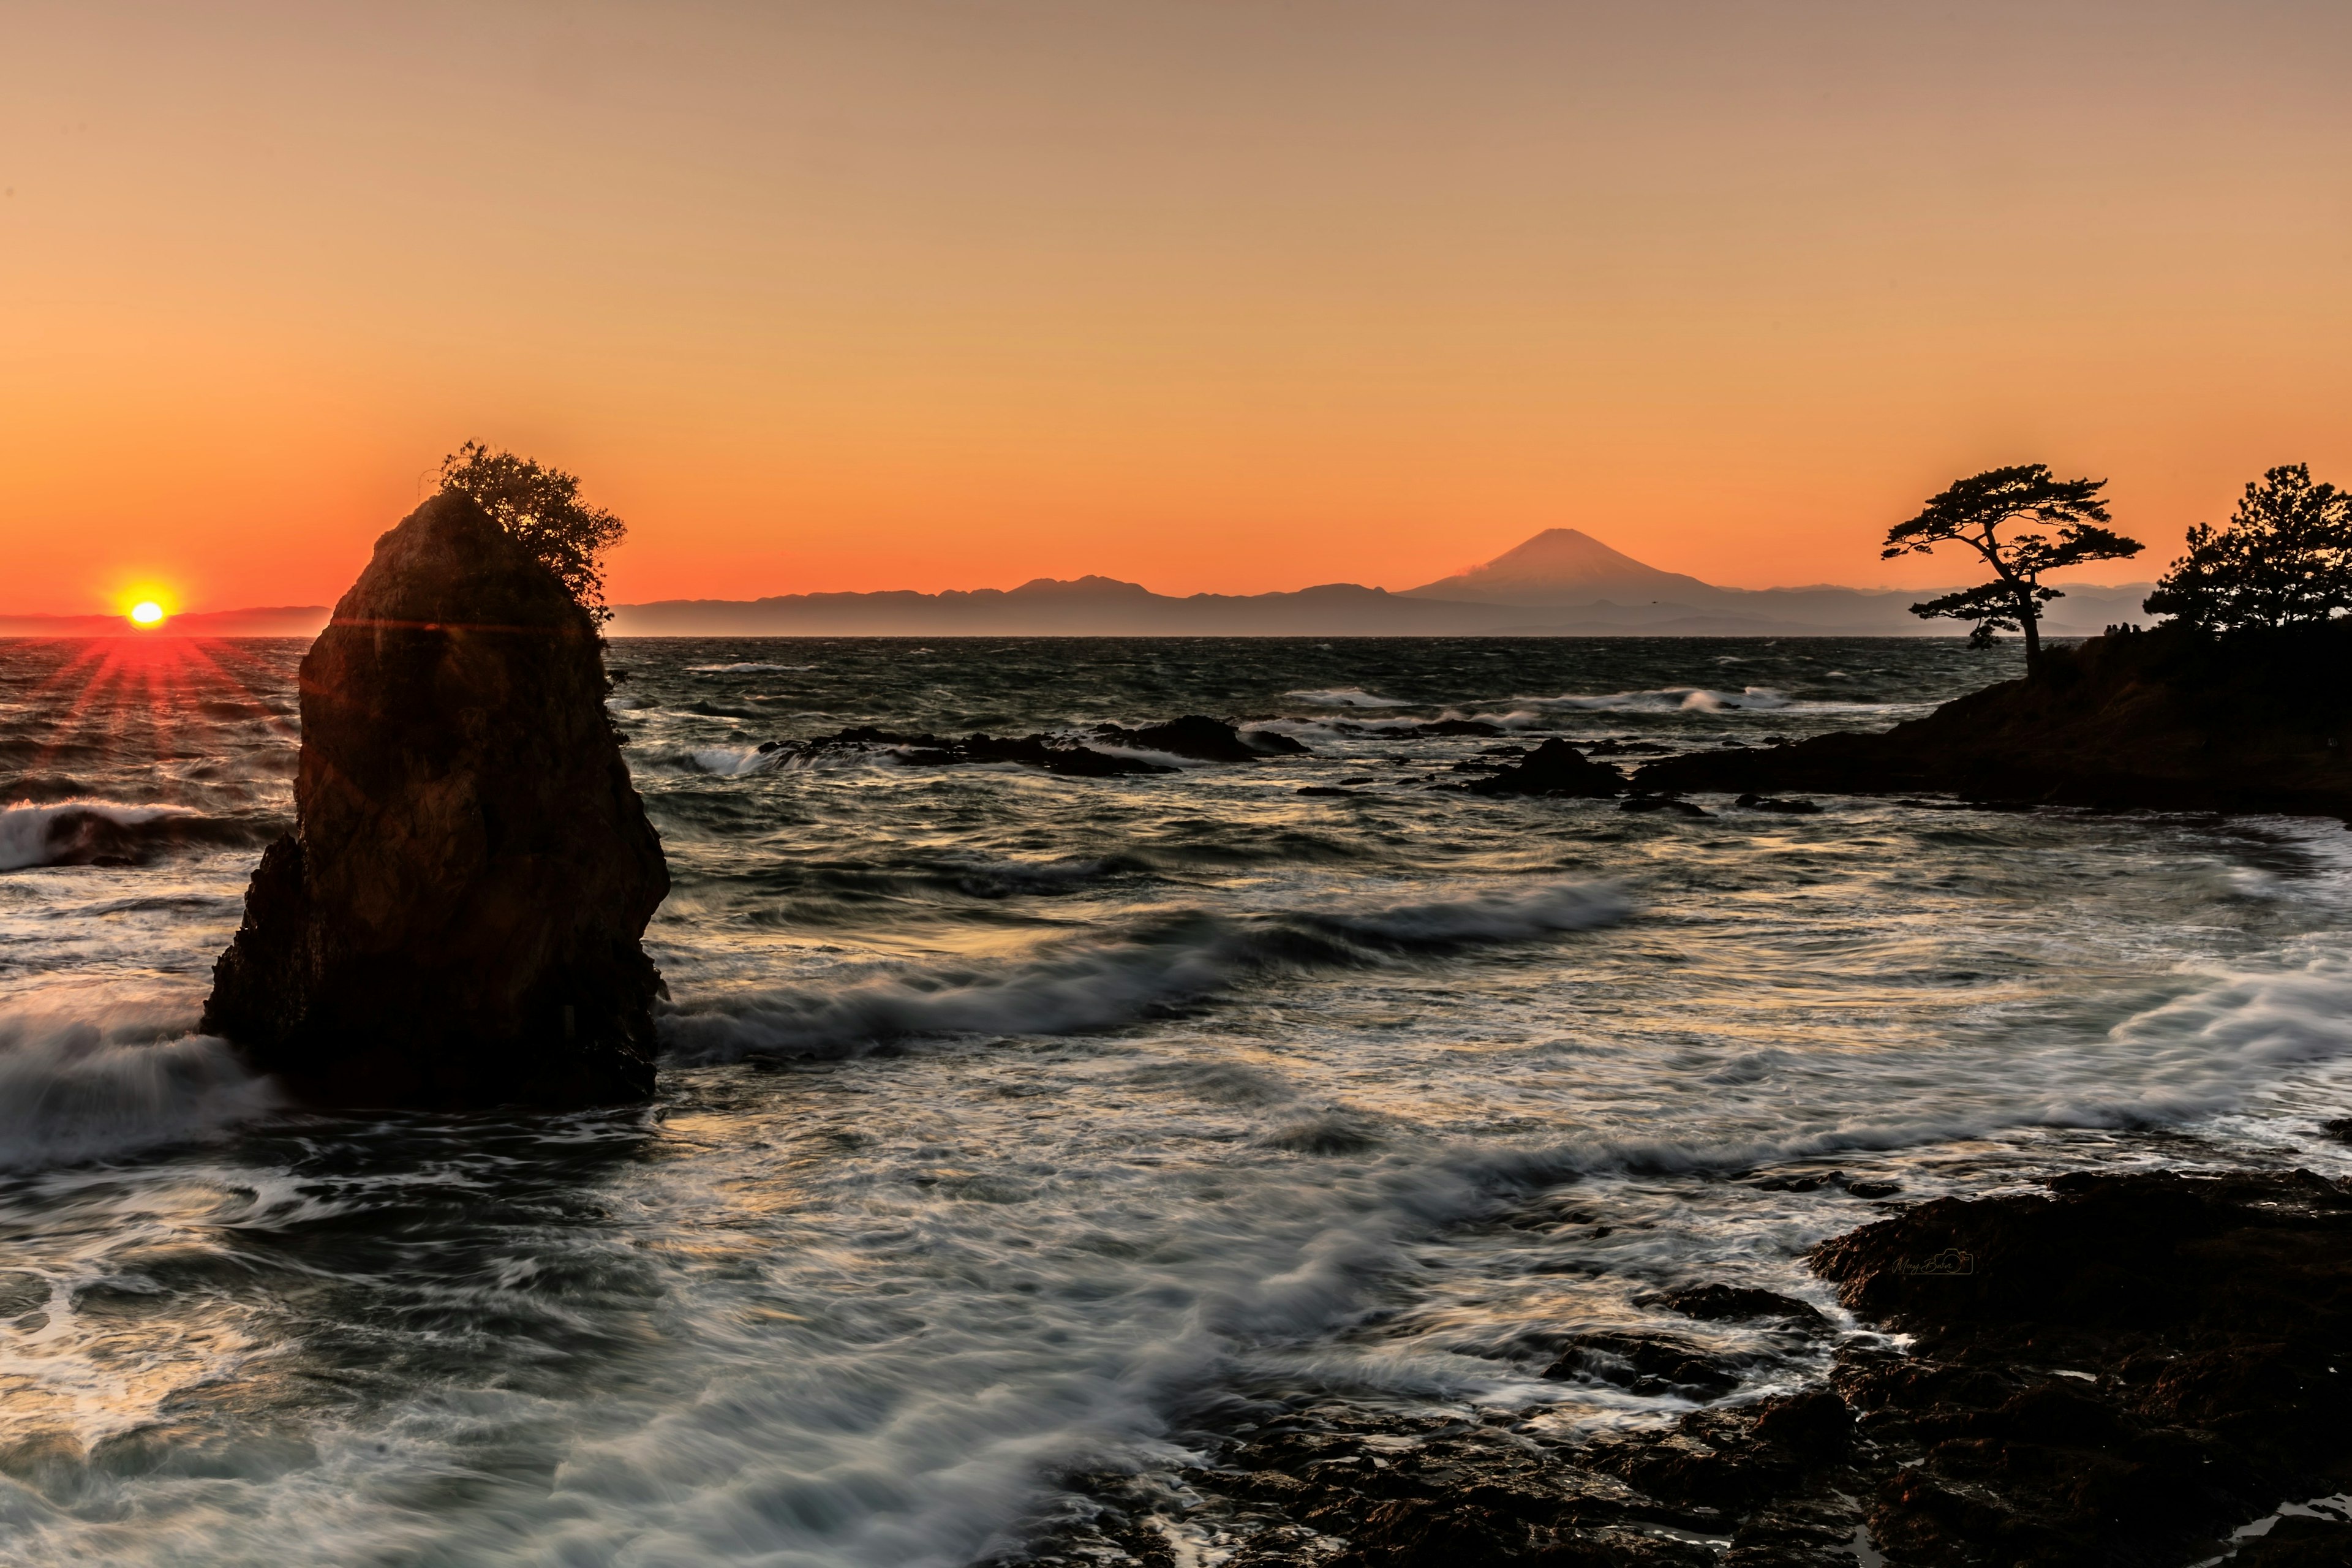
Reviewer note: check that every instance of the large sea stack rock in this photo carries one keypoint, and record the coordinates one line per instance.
(2169, 720)
(455, 920)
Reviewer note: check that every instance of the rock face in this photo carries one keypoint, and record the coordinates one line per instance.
(2120, 1372)
(455, 920)
(2167, 720)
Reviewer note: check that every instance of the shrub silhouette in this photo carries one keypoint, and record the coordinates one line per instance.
(541, 506)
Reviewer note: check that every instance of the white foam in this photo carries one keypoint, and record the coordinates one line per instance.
(1349, 696)
(1709, 699)
(34, 834)
(738, 762)
(100, 1083)
(1489, 917)
(1668, 698)
(1096, 985)
(745, 668)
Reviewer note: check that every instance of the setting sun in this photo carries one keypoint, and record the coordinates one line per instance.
(147, 612)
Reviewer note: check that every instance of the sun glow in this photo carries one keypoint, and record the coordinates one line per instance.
(147, 604)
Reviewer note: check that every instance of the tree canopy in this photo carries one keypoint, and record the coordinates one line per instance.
(1973, 511)
(541, 506)
(2285, 558)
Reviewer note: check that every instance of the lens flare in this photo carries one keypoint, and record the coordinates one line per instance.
(147, 612)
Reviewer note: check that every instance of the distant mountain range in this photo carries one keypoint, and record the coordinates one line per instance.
(1561, 582)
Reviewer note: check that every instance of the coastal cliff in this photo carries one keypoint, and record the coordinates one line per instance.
(455, 920)
(2166, 719)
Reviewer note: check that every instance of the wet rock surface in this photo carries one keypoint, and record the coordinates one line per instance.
(455, 920)
(2123, 1371)
(2167, 720)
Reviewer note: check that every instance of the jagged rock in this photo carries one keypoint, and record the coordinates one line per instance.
(2167, 720)
(455, 918)
(1553, 768)
(1733, 1303)
(2120, 1373)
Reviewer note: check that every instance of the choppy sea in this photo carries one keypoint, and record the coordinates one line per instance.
(1014, 1126)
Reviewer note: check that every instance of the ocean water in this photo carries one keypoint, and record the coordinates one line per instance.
(1016, 1126)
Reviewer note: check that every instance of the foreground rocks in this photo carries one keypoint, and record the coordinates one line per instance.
(455, 920)
(2167, 720)
(2121, 1372)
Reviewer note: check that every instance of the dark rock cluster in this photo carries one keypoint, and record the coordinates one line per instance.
(1553, 768)
(1050, 752)
(2167, 720)
(2121, 1372)
(455, 920)
(1194, 737)
(1203, 740)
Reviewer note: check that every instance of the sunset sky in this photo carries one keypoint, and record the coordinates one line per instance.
(1230, 296)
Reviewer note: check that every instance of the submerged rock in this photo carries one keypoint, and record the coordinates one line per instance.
(455, 920)
(926, 750)
(1553, 768)
(2167, 720)
(1203, 740)
(1652, 805)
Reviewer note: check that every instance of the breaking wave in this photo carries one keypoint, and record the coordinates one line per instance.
(74, 1089)
(1101, 985)
(1349, 696)
(2211, 1052)
(90, 832)
(745, 668)
(1671, 699)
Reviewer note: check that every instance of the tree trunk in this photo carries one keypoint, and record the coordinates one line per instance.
(2028, 616)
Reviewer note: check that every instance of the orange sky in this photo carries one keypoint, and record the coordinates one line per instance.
(1224, 294)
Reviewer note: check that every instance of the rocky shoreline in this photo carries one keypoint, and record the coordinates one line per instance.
(2169, 720)
(2126, 1370)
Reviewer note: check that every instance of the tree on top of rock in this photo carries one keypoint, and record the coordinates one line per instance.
(541, 506)
(1973, 513)
(2285, 558)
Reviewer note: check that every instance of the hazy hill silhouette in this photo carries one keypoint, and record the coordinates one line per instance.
(1562, 582)
(1564, 566)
